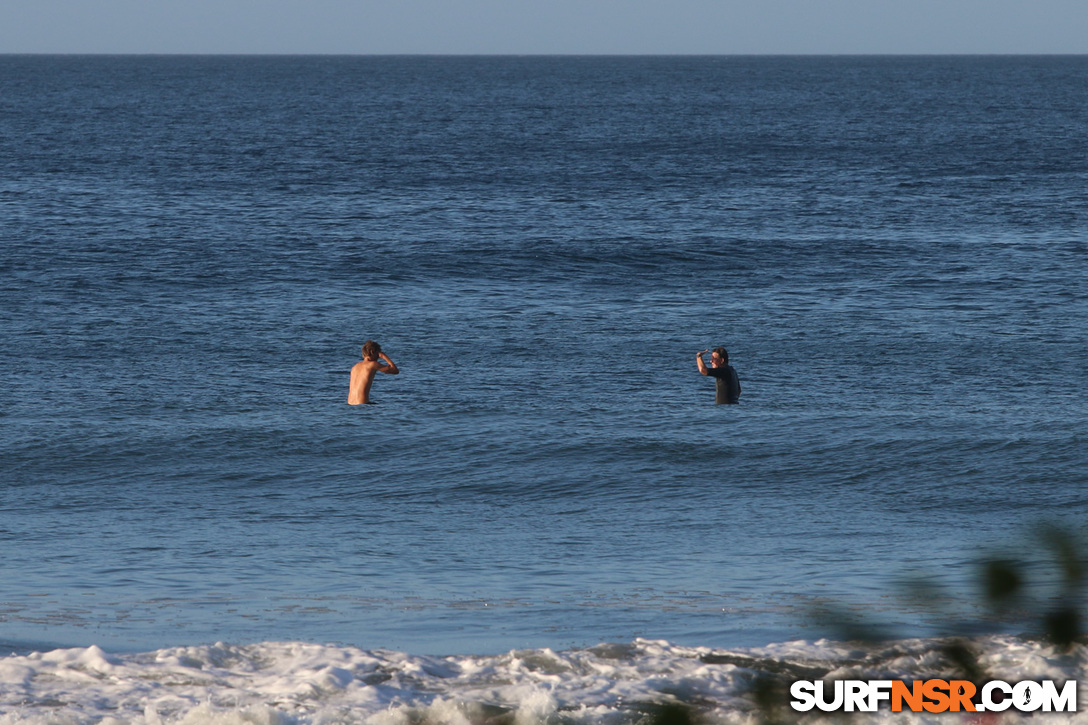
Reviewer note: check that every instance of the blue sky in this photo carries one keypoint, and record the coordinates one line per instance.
(544, 26)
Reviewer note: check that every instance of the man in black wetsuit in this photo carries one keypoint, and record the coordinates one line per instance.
(726, 382)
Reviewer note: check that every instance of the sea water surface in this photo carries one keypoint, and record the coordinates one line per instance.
(194, 250)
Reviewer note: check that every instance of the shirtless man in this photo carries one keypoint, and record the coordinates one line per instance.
(726, 382)
(362, 373)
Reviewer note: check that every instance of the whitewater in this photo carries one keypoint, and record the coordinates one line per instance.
(294, 682)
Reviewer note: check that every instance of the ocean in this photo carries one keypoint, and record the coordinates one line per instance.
(544, 514)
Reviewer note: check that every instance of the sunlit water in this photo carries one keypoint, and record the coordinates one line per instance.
(194, 250)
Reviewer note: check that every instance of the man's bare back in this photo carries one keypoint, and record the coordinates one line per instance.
(362, 373)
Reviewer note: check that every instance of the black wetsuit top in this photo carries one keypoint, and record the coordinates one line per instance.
(726, 383)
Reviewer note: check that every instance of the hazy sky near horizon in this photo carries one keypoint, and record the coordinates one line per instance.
(545, 26)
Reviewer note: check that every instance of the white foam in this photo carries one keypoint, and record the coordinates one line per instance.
(292, 683)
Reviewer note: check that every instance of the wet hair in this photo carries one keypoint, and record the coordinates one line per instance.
(722, 354)
(371, 350)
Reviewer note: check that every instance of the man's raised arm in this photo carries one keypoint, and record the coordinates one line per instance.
(389, 367)
(700, 363)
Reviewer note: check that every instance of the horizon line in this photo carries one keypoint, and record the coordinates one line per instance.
(548, 55)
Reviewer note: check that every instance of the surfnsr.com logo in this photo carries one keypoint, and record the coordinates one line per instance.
(933, 696)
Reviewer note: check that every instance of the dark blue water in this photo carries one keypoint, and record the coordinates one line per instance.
(195, 248)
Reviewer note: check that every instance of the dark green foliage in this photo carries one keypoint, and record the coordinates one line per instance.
(1004, 580)
(1063, 627)
(771, 695)
(964, 658)
(1001, 581)
(673, 713)
(1014, 592)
